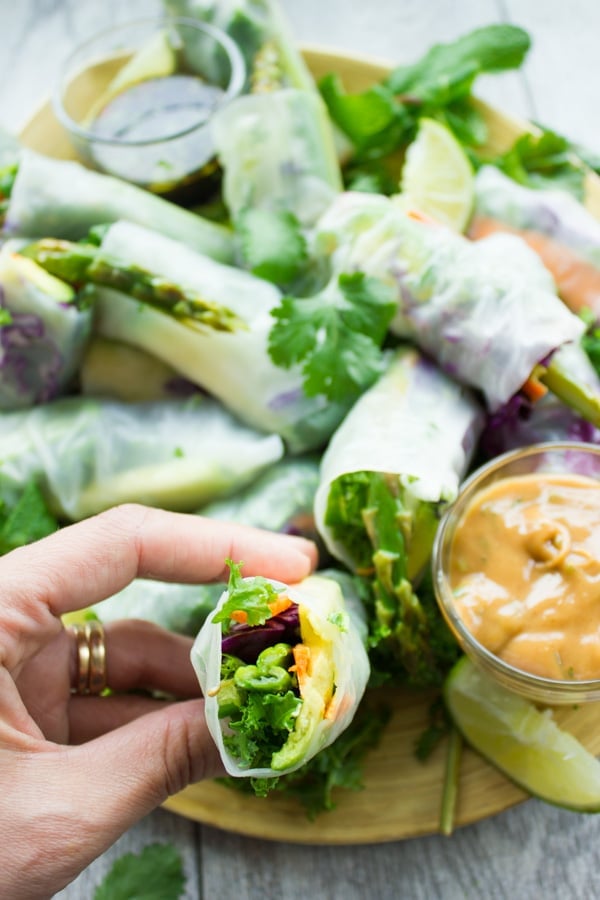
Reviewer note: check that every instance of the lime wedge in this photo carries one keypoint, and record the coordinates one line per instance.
(524, 742)
(437, 177)
(156, 59)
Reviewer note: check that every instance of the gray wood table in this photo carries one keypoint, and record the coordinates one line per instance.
(532, 850)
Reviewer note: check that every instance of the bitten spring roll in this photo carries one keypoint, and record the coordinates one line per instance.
(282, 669)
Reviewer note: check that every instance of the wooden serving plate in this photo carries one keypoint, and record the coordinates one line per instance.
(401, 796)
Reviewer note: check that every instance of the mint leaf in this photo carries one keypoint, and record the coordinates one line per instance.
(385, 117)
(373, 120)
(250, 595)
(447, 71)
(156, 873)
(543, 161)
(336, 336)
(272, 244)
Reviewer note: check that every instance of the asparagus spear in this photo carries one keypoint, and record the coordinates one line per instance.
(570, 389)
(80, 264)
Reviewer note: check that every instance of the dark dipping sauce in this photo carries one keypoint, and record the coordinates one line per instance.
(166, 117)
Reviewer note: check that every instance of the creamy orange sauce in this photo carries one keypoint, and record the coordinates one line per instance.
(525, 573)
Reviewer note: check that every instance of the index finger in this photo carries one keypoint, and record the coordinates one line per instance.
(84, 563)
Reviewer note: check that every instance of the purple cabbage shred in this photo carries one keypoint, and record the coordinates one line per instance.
(247, 641)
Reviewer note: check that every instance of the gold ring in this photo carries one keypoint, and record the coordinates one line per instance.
(91, 658)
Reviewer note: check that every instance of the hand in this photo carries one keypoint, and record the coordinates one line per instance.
(62, 805)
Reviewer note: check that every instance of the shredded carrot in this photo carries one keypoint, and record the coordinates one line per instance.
(419, 216)
(533, 389)
(280, 605)
(301, 662)
(338, 706)
(239, 615)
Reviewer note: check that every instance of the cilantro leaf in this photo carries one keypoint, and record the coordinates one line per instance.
(27, 521)
(272, 244)
(335, 336)
(249, 595)
(591, 344)
(156, 873)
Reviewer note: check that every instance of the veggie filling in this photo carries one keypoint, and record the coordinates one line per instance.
(262, 667)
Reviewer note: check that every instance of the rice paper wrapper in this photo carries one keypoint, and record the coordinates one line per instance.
(414, 423)
(553, 212)
(235, 367)
(321, 601)
(63, 199)
(278, 153)
(89, 454)
(486, 311)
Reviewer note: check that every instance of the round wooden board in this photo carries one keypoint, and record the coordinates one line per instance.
(401, 796)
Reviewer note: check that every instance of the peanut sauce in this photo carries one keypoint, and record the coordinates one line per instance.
(525, 573)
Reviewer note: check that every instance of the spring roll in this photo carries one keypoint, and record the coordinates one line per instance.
(259, 29)
(487, 312)
(278, 154)
(63, 199)
(90, 454)
(413, 433)
(388, 473)
(282, 668)
(44, 328)
(234, 366)
(564, 234)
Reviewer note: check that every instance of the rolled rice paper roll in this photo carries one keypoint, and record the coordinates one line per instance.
(415, 430)
(330, 685)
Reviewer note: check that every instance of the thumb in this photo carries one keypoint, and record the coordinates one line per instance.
(123, 775)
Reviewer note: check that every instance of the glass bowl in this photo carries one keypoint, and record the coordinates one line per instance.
(567, 458)
(137, 99)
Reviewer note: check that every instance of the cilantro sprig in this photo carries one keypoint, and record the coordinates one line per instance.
(156, 873)
(272, 244)
(336, 336)
(249, 595)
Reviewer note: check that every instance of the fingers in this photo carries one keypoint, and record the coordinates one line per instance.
(90, 717)
(142, 656)
(84, 563)
(74, 802)
(124, 774)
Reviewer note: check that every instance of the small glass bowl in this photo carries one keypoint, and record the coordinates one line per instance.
(557, 457)
(137, 99)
